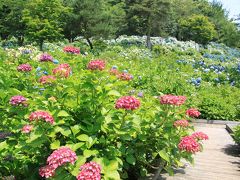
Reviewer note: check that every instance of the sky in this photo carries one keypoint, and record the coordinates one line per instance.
(233, 6)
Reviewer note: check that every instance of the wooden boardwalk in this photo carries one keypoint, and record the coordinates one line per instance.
(220, 159)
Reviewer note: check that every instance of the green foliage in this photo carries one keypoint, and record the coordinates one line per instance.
(236, 134)
(123, 142)
(197, 28)
(43, 20)
(90, 18)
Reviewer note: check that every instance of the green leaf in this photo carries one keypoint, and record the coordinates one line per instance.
(111, 166)
(55, 144)
(80, 161)
(75, 129)
(63, 113)
(3, 145)
(87, 153)
(164, 155)
(113, 93)
(63, 130)
(83, 137)
(131, 159)
(112, 175)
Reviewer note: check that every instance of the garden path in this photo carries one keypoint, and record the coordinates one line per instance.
(220, 159)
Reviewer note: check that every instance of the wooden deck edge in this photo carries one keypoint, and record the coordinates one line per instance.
(222, 122)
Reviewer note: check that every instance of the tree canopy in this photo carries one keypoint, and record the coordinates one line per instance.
(45, 20)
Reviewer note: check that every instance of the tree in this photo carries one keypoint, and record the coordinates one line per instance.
(94, 18)
(11, 23)
(148, 17)
(43, 20)
(197, 28)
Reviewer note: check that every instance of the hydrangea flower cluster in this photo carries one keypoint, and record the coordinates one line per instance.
(47, 79)
(181, 123)
(41, 115)
(96, 65)
(172, 100)
(59, 157)
(18, 100)
(47, 171)
(27, 128)
(46, 57)
(90, 171)
(125, 76)
(127, 103)
(63, 70)
(71, 49)
(24, 68)
(200, 136)
(192, 112)
(189, 144)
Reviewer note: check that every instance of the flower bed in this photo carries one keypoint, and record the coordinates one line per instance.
(80, 122)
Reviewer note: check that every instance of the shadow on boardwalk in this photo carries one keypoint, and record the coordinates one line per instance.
(220, 159)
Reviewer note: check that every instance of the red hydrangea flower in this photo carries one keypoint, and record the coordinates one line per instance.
(47, 79)
(47, 171)
(41, 115)
(113, 72)
(63, 70)
(18, 100)
(125, 76)
(71, 49)
(96, 65)
(181, 123)
(27, 128)
(128, 103)
(189, 144)
(193, 112)
(61, 156)
(172, 100)
(46, 57)
(90, 171)
(24, 68)
(200, 136)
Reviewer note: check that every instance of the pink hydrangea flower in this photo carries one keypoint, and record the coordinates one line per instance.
(63, 70)
(172, 100)
(24, 68)
(90, 171)
(18, 100)
(27, 129)
(46, 57)
(47, 171)
(41, 115)
(47, 79)
(128, 103)
(181, 123)
(61, 156)
(96, 65)
(125, 76)
(71, 49)
(200, 136)
(192, 112)
(189, 144)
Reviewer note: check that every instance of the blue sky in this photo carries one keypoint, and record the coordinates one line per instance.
(233, 6)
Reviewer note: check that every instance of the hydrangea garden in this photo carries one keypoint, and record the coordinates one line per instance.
(118, 112)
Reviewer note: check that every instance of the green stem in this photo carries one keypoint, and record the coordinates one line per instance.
(123, 119)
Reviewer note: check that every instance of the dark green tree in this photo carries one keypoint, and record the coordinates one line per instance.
(148, 17)
(11, 23)
(94, 18)
(43, 19)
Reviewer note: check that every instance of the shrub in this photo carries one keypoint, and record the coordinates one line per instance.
(197, 28)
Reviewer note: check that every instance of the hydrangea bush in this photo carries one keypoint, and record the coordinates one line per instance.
(78, 120)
